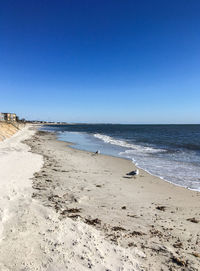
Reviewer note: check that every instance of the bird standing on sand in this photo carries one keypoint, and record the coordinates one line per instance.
(97, 152)
(133, 173)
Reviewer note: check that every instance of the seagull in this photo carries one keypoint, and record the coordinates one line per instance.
(97, 152)
(133, 173)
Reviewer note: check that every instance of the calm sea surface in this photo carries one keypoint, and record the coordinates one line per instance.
(171, 152)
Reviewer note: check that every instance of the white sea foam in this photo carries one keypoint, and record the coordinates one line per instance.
(122, 143)
(177, 167)
(183, 174)
(172, 167)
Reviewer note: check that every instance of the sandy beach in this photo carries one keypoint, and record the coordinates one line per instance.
(66, 209)
(100, 135)
(34, 236)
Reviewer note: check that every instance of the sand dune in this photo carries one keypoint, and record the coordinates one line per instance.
(7, 130)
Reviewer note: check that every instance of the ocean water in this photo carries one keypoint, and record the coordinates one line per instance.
(171, 152)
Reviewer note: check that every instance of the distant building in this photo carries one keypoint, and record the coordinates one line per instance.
(8, 117)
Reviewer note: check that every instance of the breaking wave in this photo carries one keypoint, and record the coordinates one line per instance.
(125, 144)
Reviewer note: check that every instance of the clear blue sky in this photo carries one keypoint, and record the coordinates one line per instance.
(101, 60)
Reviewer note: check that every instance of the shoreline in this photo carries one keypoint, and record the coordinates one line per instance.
(71, 144)
(145, 212)
(165, 180)
(129, 159)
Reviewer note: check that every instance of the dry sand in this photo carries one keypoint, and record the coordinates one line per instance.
(35, 236)
(144, 213)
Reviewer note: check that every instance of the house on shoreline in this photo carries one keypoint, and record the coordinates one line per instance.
(8, 117)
